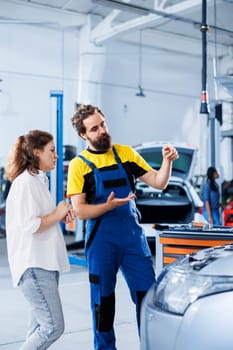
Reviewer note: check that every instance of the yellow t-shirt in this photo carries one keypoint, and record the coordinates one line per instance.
(80, 175)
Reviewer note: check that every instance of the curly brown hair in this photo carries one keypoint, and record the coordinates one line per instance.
(22, 155)
(83, 112)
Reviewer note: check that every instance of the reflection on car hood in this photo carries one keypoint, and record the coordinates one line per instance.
(211, 261)
(176, 179)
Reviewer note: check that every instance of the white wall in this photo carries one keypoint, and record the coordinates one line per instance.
(171, 109)
(35, 60)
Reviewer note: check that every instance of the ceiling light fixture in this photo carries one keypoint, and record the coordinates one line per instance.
(140, 93)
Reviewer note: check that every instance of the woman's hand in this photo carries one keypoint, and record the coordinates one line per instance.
(69, 216)
(63, 210)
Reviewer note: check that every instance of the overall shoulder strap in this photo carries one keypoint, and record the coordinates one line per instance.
(88, 162)
(118, 160)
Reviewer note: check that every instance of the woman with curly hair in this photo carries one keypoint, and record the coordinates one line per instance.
(35, 243)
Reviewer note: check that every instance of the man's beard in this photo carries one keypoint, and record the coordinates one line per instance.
(102, 144)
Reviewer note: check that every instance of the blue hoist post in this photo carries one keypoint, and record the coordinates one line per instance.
(73, 259)
(59, 146)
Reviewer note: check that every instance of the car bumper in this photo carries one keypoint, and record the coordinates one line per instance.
(206, 324)
(158, 329)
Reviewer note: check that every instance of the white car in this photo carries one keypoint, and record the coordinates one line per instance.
(179, 203)
(191, 306)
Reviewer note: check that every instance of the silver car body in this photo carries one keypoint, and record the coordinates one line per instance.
(191, 307)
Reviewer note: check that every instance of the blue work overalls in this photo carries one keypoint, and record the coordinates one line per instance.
(115, 240)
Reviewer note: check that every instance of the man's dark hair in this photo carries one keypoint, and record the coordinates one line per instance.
(83, 112)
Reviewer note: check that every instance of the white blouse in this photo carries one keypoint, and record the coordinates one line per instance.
(29, 199)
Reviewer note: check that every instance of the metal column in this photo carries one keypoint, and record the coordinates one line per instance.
(59, 145)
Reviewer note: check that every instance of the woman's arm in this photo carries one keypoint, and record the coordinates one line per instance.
(61, 211)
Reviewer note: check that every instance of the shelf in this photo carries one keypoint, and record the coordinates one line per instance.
(226, 82)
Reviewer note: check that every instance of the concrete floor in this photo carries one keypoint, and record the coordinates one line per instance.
(74, 290)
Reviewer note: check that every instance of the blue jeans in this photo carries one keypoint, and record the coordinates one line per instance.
(215, 215)
(40, 288)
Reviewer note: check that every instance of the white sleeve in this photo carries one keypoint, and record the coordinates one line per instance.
(23, 208)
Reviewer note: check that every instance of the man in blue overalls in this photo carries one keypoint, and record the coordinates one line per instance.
(101, 184)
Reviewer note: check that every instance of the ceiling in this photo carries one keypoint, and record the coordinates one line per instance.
(165, 24)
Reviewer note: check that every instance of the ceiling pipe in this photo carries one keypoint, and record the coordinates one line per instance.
(204, 29)
(144, 11)
(140, 92)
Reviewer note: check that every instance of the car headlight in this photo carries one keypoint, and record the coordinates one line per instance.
(178, 288)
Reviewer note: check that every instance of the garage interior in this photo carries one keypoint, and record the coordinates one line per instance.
(143, 62)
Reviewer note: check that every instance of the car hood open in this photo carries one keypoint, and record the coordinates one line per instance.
(183, 167)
